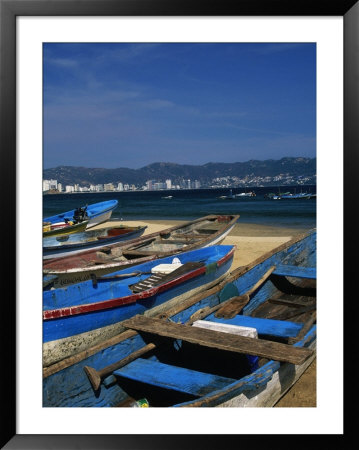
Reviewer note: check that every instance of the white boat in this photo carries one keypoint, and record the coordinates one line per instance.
(95, 214)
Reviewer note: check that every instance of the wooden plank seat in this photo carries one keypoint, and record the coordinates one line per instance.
(222, 341)
(292, 300)
(182, 237)
(205, 230)
(270, 327)
(159, 278)
(181, 241)
(171, 377)
(295, 271)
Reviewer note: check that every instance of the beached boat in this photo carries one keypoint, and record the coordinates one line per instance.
(242, 343)
(58, 246)
(95, 214)
(209, 230)
(83, 310)
(61, 229)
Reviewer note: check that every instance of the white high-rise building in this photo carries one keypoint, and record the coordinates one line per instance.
(109, 187)
(120, 187)
(168, 184)
(49, 184)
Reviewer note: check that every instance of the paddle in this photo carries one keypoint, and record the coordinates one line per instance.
(235, 304)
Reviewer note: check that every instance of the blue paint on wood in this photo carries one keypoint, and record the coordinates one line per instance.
(271, 327)
(295, 271)
(84, 293)
(230, 290)
(173, 378)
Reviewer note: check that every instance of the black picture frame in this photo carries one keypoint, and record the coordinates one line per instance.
(9, 10)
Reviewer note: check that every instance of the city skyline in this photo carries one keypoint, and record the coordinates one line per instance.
(127, 105)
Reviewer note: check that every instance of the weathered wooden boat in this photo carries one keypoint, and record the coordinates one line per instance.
(94, 214)
(242, 343)
(203, 232)
(62, 228)
(90, 306)
(58, 246)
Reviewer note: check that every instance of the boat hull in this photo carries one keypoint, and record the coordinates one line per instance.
(86, 307)
(65, 230)
(97, 213)
(54, 351)
(80, 242)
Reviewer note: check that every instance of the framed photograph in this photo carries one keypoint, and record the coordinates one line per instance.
(35, 40)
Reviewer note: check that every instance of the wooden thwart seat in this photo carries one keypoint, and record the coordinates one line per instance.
(222, 341)
(183, 236)
(172, 377)
(270, 327)
(296, 271)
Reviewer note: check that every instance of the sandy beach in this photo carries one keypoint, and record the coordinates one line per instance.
(252, 241)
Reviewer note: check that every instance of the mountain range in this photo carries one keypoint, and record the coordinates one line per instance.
(160, 171)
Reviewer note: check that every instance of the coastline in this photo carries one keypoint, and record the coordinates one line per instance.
(252, 241)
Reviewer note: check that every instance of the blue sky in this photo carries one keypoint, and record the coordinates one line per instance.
(129, 105)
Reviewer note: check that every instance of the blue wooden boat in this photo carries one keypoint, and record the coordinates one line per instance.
(95, 214)
(243, 342)
(71, 244)
(105, 301)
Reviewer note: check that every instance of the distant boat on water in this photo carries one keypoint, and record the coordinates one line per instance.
(246, 194)
(289, 195)
(230, 196)
(168, 197)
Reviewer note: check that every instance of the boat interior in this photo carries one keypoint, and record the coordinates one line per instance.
(184, 363)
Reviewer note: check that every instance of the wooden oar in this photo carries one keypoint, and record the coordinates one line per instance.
(95, 376)
(235, 305)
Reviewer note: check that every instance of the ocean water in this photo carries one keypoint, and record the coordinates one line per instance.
(194, 203)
